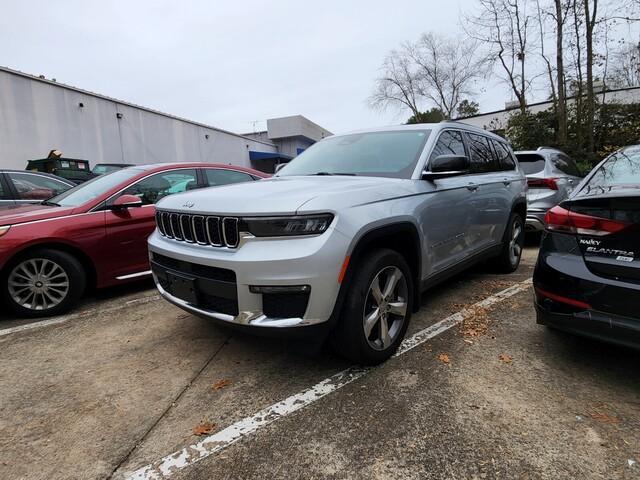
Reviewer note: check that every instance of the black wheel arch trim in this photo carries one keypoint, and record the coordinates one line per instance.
(368, 239)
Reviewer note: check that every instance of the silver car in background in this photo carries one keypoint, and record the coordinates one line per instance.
(551, 177)
(342, 241)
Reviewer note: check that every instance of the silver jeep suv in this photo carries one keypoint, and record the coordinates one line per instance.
(344, 239)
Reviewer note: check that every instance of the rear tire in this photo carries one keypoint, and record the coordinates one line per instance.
(513, 243)
(377, 308)
(43, 283)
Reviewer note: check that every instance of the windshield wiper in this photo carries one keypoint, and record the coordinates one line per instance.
(50, 204)
(333, 173)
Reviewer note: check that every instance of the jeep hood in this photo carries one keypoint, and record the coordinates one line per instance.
(287, 195)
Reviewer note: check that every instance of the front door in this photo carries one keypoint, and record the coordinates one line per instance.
(447, 210)
(128, 229)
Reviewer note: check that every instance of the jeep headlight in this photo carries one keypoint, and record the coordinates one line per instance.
(288, 226)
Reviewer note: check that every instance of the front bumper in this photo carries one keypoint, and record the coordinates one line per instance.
(302, 261)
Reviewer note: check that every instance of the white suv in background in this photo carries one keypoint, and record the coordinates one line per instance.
(345, 238)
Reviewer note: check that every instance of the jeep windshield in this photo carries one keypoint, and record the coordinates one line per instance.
(93, 188)
(391, 154)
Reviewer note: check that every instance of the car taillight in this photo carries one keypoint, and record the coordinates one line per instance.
(550, 183)
(560, 219)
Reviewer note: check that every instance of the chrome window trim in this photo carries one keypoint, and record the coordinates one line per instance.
(41, 174)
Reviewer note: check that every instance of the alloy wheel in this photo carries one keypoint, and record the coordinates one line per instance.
(38, 284)
(385, 308)
(515, 243)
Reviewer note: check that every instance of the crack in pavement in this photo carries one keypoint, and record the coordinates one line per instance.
(168, 409)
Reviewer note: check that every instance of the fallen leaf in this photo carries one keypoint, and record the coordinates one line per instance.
(476, 321)
(505, 358)
(444, 358)
(604, 417)
(220, 384)
(204, 428)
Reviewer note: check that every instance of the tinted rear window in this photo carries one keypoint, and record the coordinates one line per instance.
(530, 163)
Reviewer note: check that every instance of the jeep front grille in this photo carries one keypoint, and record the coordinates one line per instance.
(200, 229)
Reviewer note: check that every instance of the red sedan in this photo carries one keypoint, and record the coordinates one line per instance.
(92, 235)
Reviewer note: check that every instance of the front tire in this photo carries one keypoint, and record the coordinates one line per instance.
(513, 244)
(377, 308)
(43, 283)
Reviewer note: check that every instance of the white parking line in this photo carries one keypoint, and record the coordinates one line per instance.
(212, 444)
(73, 316)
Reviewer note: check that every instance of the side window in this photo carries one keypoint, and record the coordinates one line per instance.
(483, 159)
(3, 191)
(36, 187)
(219, 176)
(155, 187)
(449, 143)
(505, 157)
(565, 164)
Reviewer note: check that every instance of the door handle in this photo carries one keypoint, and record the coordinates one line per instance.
(506, 182)
(472, 186)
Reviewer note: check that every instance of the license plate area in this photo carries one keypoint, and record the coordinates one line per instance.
(182, 287)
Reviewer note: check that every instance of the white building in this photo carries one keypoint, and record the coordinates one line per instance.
(495, 121)
(38, 115)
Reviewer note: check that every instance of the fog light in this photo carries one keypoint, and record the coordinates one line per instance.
(279, 288)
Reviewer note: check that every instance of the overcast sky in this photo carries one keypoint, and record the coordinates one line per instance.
(227, 63)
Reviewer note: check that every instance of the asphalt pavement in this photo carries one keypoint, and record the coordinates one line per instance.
(131, 386)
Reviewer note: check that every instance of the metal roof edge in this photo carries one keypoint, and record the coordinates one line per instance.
(128, 104)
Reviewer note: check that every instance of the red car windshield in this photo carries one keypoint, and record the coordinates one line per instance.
(94, 188)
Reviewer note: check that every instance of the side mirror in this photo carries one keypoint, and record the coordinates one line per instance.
(126, 201)
(444, 166)
(279, 167)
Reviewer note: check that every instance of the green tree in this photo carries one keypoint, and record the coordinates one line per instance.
(615, 126)
(467, 108)
(434, 115)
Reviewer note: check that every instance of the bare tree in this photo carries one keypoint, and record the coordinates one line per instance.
(447, 69)
(435, 70)
(505, 25)
(591, 17)
(561, 12)
(398, 85)
(625, 71)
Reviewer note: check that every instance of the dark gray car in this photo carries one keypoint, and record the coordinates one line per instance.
(551, 177)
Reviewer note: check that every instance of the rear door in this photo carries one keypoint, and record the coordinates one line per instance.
(492, 199)
(568, 173)
(5, 194)
(128, 230)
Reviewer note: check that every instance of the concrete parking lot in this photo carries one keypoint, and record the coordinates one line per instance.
(130, 385)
